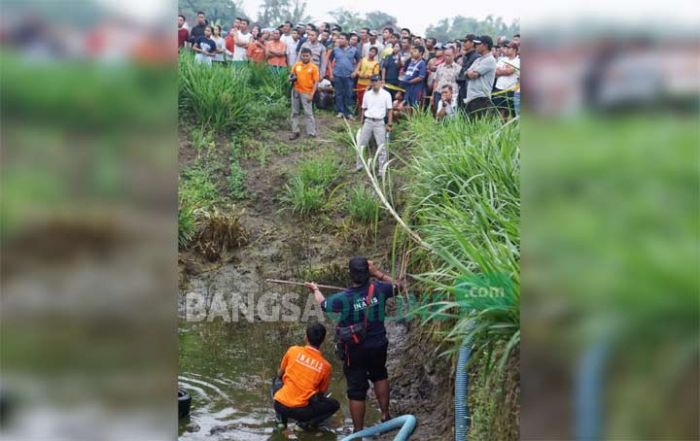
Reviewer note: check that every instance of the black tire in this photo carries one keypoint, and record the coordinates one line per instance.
(184, 402)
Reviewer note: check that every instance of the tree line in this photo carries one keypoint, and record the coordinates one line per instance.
(274, 12)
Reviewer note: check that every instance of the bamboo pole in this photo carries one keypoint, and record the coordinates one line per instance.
(289, 282)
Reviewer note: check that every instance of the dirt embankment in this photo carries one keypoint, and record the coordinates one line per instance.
(285, 246)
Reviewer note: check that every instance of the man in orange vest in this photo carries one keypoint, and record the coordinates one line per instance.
(305, 375)
(305, 77)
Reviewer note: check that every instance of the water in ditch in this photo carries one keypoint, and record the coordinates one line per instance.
(227, 368)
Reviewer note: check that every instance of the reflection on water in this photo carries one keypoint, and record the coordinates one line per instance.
(228, 369)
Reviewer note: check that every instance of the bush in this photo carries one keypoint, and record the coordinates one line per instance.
(363, 206)
(321, 172)
(303, 197)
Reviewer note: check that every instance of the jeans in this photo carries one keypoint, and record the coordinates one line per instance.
(343, 95)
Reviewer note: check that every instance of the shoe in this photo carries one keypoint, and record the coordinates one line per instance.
(280, 421)
(294, 136)
(339, 115)
(351, 117)
(303, 427)
(312, 136)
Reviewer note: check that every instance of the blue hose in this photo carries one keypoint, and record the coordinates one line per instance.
(589, 386)
(461, 384)
(407, 423)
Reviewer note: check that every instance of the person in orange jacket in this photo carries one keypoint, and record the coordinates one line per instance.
(305, 375)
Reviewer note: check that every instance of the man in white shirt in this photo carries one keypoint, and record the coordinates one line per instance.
(376, 106)
(241, 41)
(372, 43)
(288, 39)
(507, 76)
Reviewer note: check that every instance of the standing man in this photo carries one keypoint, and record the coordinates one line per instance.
(305, 376)
(362, 303)
(276, 51)
(430, 49)
(182, 33)
(241, 41)
(468, 57)
(446, 74)
(414, 78)
(286, 31)
(371, 43)
(305, 77)
(345, 58)
(482, 75)
(318, 50)
(292, 47)
(405, 53)
(376, 106)
(364, 39)
(507, 77)
(198, 30)
(387, 41)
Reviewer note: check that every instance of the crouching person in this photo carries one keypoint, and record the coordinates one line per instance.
(305, 375)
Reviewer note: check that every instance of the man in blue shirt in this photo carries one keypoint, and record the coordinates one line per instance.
(365, 361)
(346, 58)
(414, 78)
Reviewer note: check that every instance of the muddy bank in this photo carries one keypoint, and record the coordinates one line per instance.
(283, 246)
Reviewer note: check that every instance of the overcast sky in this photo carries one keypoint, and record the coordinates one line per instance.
(415, 15)
(420, 15)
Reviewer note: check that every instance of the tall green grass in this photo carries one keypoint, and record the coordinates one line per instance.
(320, 171)
(309, 186)
(363, 206)
(464, 201)
(223, 98)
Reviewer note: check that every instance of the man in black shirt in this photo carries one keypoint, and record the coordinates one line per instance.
(363, 304)
(198, 30)
(468, 56)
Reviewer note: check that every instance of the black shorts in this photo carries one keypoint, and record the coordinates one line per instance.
(365, 365)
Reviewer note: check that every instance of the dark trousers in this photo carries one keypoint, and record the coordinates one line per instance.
(480, 107)
(319, 409)
(343, 95)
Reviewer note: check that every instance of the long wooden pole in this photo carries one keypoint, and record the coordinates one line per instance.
(289, 282)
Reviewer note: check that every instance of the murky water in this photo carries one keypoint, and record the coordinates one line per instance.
(228, 368)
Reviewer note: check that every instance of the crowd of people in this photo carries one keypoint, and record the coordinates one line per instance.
(378, 76)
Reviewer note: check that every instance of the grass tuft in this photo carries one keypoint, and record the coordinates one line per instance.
(363, 206)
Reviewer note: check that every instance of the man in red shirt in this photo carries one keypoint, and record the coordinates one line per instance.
(182, 33)
(305, 375)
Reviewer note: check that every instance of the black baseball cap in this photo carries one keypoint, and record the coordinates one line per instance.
(375, 78)
(470, 37)
(485, 39)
